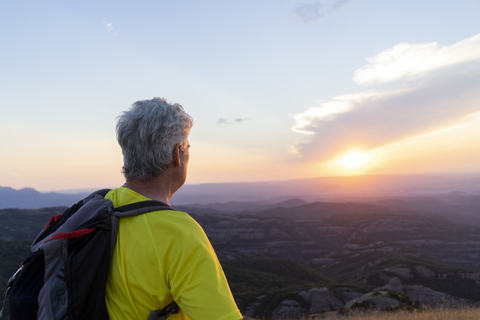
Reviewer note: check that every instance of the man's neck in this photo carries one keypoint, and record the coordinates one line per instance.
(159, 188)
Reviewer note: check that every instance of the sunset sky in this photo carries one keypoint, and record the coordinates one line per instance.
(278, 90)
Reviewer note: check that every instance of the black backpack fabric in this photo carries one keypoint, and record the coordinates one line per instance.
(65, 271)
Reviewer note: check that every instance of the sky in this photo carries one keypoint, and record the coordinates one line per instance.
(278, 90)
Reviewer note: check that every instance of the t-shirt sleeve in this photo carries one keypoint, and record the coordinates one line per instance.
(196, 278)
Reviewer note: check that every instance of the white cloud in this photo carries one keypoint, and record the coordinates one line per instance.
(447, 95)
(109, 27)
(406, 60)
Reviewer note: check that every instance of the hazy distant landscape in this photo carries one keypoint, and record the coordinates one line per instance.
(453, 188)
(290, 248)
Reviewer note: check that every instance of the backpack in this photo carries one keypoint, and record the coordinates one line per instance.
(65, 271)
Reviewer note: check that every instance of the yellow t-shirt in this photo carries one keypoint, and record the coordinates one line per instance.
(163, 256)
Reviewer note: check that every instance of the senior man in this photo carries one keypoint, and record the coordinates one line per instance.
(161, 256)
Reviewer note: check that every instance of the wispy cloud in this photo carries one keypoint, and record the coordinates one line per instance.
(406, 60)
(329, 110)
(437, 90)
(223, 121)
(109, 27)
(316, 10)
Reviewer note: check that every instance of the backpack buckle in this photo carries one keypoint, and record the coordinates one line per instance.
(163, 314)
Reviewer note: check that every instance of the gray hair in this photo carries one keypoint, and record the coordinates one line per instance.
(147, 134)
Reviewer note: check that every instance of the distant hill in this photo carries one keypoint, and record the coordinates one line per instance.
(329, 188)
(29, 198)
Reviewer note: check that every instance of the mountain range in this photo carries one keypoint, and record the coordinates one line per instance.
(340, 188)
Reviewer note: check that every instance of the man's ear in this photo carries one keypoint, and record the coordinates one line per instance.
(176, 155)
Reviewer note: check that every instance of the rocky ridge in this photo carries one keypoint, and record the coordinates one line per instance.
(392, 296)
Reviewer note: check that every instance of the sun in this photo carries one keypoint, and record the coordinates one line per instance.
(353, 160)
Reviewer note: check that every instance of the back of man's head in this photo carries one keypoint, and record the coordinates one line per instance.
(147, 134)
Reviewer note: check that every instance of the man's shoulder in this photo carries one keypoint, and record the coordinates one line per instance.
(173, 219)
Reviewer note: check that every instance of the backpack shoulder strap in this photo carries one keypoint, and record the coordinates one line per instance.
(141, 207)
(102, 192)
(95, 194)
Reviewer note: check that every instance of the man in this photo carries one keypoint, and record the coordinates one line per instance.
(161, 256)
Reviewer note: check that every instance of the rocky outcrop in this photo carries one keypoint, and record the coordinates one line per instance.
(406, 272)
(425, 272)
(252, 307)
(288, 309)
(348, 293)
(401, 270)
(392, 295)
(426, 296)
(471, 276)
(321, 299)
(393, 285)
